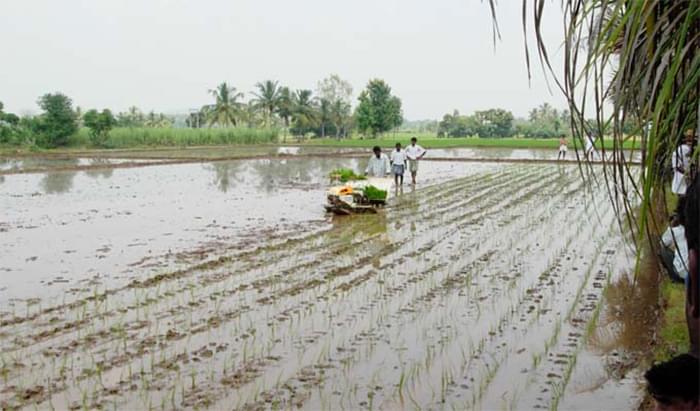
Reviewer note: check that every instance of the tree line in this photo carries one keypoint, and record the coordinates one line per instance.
(327, 112)
(302, 112)
(543, 121)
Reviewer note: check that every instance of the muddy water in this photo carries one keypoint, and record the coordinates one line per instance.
(226, 285)
(64, 228)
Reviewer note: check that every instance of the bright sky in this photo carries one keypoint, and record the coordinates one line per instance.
(164, 55)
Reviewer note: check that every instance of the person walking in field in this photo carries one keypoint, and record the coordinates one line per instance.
(562, 149)
(378, 165)
(590, 152)
(398, 164)
(414, 152)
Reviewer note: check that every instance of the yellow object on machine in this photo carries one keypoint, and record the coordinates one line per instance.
(350, 198)
(340, 190)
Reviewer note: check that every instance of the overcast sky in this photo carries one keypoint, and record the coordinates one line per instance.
(164, 55)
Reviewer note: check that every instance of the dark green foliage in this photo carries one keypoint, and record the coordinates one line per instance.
(131, 118)
(494, 122)
(8, 126)
(268, 99)
(378, 111)
(303, 113)
(58, 121)
(226, 110)
(456, 125)
(99, 123)
(545, 122)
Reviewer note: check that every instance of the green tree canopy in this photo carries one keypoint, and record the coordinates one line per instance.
(285, 105)
(99, 123)
(58, 121)
(494, 122)
(303, 112)
(226, 110)
(267, 99)
(338, 93)
(133, 117)
(456, 125)
(378, 111)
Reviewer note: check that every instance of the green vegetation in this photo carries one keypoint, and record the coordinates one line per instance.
(378, 111)
(373, 193)
(57, 122)
(267, 99)
(133, 117)
(227, 110)
(345, 175)
(430, 141)
(543, 122)
(673, 334)
(336, 94)
(153, 137)
(99, 124)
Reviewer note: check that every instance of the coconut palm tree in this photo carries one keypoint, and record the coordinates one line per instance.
(226, 110)
(636, 62)
(285, 105)
(157, 120)
(267, 99)
(324, 114)
(303, 110)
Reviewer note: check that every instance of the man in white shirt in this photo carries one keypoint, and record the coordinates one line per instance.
(378, 165)
(398, 164)
(680, 161)
(414, 152)
(591, 153)
(674, 250)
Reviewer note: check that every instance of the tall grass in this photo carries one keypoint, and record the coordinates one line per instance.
(180, 137)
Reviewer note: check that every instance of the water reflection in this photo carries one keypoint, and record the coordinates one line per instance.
(59, 182)
(226, 174)
(105, 172)
(276, 173)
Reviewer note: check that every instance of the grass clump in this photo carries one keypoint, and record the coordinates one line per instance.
(374, 193)
(345, 175)
(126, 137)
(673, 334)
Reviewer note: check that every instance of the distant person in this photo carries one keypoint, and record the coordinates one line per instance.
(590, 152)
(378, 165)
(414, 152)
(674, 249)
(692, 283)
(398, 164)
(562, 149)
(680, 160)
(674, 384)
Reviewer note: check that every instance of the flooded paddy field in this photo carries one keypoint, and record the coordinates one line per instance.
(225, 285)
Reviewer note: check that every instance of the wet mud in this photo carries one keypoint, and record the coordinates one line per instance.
(226, 285)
